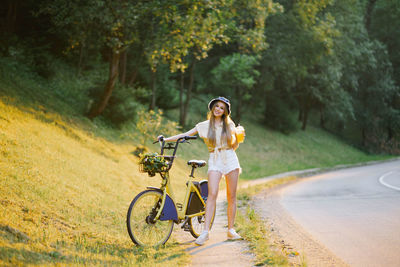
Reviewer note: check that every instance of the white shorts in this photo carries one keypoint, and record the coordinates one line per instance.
(223, 161)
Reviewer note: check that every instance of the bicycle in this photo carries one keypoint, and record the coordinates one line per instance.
(153, 212)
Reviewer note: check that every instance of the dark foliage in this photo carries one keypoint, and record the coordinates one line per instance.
(122, 106)
(278, 115)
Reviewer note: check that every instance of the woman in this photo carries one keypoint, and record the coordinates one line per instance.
(219, 134)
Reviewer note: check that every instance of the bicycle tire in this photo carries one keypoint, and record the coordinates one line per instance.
(196, 224)
(142, 230)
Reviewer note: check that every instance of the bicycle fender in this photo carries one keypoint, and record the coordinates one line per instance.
(204, 188)
(169, 211)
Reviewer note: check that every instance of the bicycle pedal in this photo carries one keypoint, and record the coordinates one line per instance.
(186, 227)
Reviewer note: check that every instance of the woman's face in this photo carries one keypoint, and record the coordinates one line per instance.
(219, 109)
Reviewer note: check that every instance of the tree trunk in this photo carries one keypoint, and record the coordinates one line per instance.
(368, 14)
(189, 92)
(11, 16)
(300, 117)
(112, 78)
(390, 133)
(122, 65)
(181, 104)
(305, 119)
(153, 90)
(81, 50)
(133, 76)
(238, 114)
(364, 137)
(300, 100)
(134, 73)
(322, 118)
(306, 111)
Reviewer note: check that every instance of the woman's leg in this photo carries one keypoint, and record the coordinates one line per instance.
(231, 186)
(213, 185)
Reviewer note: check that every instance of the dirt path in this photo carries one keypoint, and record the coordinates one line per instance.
(217, 251)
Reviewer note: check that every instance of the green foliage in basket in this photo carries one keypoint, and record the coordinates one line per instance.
(152, 163)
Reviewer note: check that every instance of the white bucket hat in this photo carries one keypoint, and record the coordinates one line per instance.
(222, 99)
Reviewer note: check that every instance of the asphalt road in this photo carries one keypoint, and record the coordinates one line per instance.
(354, 212)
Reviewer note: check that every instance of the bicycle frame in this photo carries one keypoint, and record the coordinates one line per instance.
(168, 208)
(191, 193)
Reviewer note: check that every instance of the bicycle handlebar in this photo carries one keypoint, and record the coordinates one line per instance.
(187, 137)
(174, 147)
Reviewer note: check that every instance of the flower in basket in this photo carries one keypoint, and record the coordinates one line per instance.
(152, 163)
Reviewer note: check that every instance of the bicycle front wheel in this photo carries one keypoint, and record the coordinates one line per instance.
(142, 228)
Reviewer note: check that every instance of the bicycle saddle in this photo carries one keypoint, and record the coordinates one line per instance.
(196, 163)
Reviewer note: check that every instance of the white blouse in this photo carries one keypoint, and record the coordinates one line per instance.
(202, 129)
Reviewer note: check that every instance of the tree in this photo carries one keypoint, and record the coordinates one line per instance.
(11, 17)
(213, 23)
(115, 23)
(302, 56)
(368, 13)
(176, 30)
(247, 41)
(237, 73)
(376, 90)
(384, 25)
(204, 26)
(167, 31)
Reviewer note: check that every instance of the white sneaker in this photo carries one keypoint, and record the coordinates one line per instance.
(232, 235)
(203, 237)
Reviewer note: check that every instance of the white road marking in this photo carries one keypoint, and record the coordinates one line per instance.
(386, 184)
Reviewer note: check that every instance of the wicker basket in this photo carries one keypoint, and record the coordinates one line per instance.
(152, 163)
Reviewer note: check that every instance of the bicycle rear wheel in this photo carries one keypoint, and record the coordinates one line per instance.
(196, 224)
(142, 228)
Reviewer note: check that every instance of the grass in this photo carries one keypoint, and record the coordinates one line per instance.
(252, 228)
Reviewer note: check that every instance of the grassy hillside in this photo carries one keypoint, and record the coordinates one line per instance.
(64, 194)
(66, 182)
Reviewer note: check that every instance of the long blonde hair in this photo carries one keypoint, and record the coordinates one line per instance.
(226, 133)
